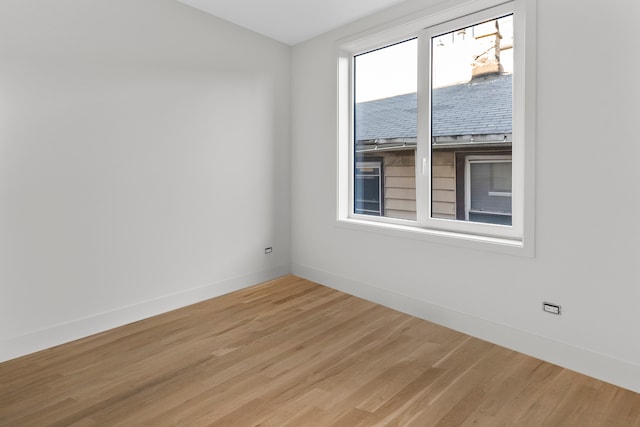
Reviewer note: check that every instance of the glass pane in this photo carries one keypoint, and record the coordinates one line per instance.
(385, 118)
(367, 189)
(471, 115)
(489, 203)
(501, 177)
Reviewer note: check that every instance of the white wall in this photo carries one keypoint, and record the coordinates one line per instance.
(144, 164)
(587, 209)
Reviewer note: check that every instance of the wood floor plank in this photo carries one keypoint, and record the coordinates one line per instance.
(290, 352)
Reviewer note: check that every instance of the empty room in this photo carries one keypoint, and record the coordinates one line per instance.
(319, 213)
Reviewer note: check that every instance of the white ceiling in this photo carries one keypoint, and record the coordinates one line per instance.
(290, 21)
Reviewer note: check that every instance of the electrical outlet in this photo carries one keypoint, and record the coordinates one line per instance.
(268, 250)
(551, 308)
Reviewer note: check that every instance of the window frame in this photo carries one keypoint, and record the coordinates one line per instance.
(515, 239)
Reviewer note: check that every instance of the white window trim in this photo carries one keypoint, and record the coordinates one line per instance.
(519, 240)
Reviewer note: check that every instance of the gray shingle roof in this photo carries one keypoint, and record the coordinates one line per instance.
(480, 107)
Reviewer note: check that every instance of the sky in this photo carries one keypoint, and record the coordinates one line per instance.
(393, 70)
(387, 72)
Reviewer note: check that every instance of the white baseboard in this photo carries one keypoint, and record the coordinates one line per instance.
(606, 368)
(80, 328)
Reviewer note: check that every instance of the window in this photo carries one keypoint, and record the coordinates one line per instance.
(443, 104)
(488, 190)
(368, 188)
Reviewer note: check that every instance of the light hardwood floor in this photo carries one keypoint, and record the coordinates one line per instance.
(293, 353)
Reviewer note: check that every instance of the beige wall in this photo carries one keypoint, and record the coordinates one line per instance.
(400, 184)
(444, 185)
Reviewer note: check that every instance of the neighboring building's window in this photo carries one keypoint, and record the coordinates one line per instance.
(488, 189)
(437, 105)
(368, 188)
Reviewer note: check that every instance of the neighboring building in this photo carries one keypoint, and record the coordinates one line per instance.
(386, 135)
(471, 148)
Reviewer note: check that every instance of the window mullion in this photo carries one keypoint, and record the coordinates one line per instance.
(423, 151)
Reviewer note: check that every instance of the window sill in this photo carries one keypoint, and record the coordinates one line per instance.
(464, 240)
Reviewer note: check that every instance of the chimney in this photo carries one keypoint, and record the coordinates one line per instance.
(487, 59)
